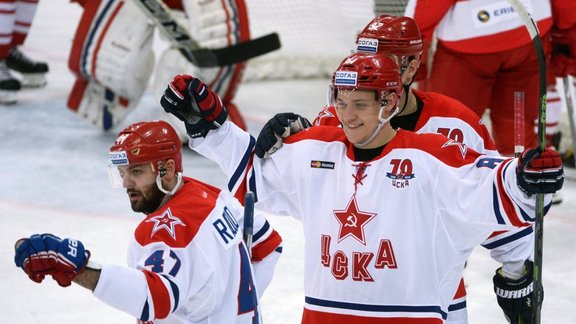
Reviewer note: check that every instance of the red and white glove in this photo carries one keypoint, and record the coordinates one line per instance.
(46, 254)
(191, 101)
(563, 60)
(540, 172)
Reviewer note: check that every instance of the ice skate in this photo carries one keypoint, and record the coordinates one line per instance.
(33, 72)
(9, 85)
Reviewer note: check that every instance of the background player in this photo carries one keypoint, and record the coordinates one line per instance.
(15, 21)
(486, 46)
(187, 261)
(422, 112)
(364, 256)
(112, 56)
(562, 65)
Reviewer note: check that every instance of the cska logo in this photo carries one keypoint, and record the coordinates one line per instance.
(166, 222)
(361, 261)
(352, 221)
(401, 173)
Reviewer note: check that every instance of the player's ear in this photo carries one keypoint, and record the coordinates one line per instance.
(390, 101)
(169, 179)
(167, 169)
(170, 168)
(408, 74)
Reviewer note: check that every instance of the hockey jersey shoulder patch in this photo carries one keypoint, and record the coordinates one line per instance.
(177, 222)
(327, 117)
(448, 151)
(167, 222)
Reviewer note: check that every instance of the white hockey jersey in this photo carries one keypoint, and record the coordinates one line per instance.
(386, 240)
(188, 264)
(449, 117)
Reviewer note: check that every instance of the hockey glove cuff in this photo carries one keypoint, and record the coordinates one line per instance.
(516, 297)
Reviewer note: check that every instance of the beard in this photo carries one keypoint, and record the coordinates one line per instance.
(149, 201)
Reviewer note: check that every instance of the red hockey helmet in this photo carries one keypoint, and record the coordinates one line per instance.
(147, 142)
(367, 72)
(389, 34)
(378, 72)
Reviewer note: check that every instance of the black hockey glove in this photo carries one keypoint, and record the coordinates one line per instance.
(516, 297)
(195, 104)
(276, 129)
(540, 173)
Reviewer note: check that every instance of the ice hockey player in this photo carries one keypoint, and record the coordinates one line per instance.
(15, 20)
(112, 55)
(350, 187)
(562, 65)
(421, 112)
(486, 44)
(187, 262)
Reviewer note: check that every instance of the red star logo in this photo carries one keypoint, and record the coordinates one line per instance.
(352, 221)
(165, 221)
(325, 113)
(463, 148)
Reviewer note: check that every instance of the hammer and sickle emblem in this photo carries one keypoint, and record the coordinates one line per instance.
(351, 221)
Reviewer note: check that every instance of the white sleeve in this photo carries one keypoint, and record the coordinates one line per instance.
(231, 148)
(149, 295)
(122, 288)
(264, 271)
(514, 245)
(270, 179)
(485, 199)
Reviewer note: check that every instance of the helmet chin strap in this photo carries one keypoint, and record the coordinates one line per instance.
(406, 88)
(381, 122)
(176, 187)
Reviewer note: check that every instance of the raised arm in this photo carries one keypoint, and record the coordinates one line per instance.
(224, 143)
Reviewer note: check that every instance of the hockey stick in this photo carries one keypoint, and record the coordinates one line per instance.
(248, 220)
(518, 123)
(539, 221)
(193, 52)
